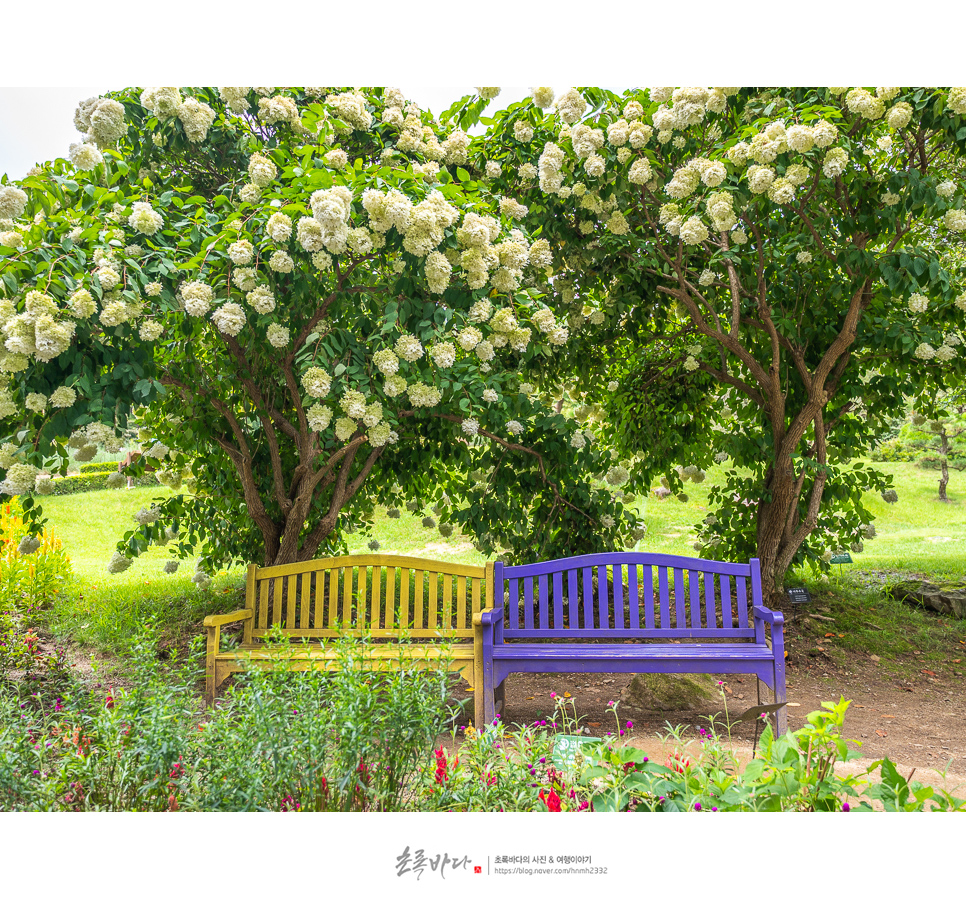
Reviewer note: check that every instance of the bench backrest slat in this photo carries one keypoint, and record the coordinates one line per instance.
(600, 596)
(377, 594)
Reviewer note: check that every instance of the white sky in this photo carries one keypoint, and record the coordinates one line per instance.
(423, 50)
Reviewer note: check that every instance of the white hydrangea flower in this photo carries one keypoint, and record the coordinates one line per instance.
(514, 427)
(889, 199)
(197, 297)
(336, 159)
(235, 98)
(395, 385)
(197, 118)
(485, 351)
(145, 219)
(690, 364)
(409, 348)
(386, 360)
(945, 353)
(443, 354)
(469, 337)
(490, 395)
(493, 169)
(63, 397)
(147, 515)
(438, 272)
(318, 417)
(707, 277)
(542, 96)
(760, 178)
(118, 564)
(955, 219)
(150, 330)
(13, 202)
(345, 428)
(918, 303)
(250, 193)
(108, 278)
(229, 318)
(36, 402)
(277, 335)
(803, 257)
(241, 252)
(946, 189)
(956, 100)
(470, 426)
(961, 301)
(423, 395)
(162, 101)
(693, 231)
(279, 227)
(353, 403)
(925, 351)
(323, 261)
(835, 162)
(281, 262)
(84, 156)
(261, 300)
(570, 106)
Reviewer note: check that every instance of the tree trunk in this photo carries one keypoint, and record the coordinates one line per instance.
(774, 507)
(943, 465)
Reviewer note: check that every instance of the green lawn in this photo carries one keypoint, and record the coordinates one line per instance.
(917, 534)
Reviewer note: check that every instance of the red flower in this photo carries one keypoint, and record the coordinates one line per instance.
(552, 801)
(677, 762)
(441, 766)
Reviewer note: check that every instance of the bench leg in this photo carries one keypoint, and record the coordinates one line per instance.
(211, 685)
(485, 707)
(499, 697)
(781, 715)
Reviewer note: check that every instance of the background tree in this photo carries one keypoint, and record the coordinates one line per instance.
(941, 413)
(305, 304)
(771, 240)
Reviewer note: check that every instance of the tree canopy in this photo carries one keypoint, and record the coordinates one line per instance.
(305, 305)
(783, 246)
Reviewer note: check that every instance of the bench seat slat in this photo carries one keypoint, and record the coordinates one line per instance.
(459, 650)
(738, 651)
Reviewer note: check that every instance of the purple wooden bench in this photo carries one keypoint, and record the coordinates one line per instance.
(630, 613)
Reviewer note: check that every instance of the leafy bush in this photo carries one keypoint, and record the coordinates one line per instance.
(90, 482)
(106, 467)
(281, 741)
(514, 770)
(28, 579)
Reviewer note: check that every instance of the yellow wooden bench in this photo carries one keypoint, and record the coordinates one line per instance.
(381, 596)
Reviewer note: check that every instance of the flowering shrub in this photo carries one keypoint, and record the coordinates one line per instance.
(282, 741)
(202, 235)
(32, 570)
(737, 245)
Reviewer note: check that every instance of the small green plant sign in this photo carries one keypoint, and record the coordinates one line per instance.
(566, 748)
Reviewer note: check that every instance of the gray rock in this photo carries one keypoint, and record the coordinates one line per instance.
(949, 602)
(672, 693)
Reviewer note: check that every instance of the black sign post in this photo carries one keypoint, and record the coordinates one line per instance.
(798, 595)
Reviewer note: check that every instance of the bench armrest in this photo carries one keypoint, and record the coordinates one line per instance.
(775, 617)
(488, 618)
(219, 619)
